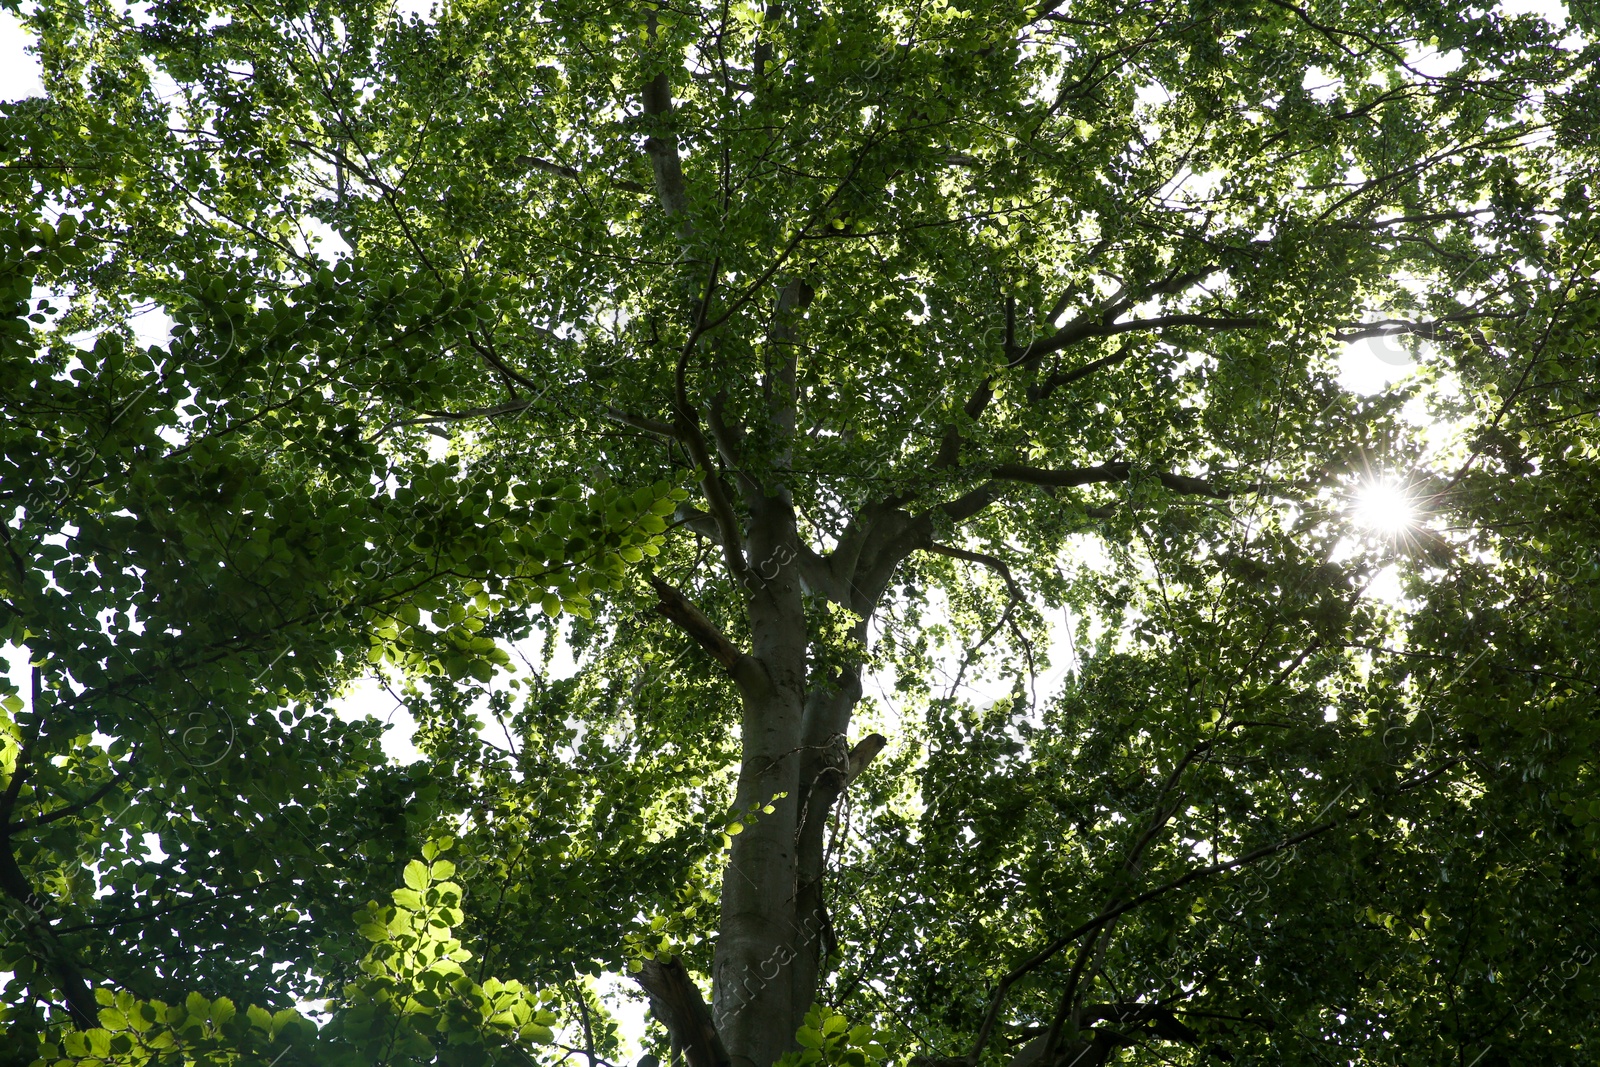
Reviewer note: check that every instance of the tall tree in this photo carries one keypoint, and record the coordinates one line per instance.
(918, 301)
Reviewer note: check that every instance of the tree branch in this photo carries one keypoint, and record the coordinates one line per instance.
(950, 447)
(994, 563)
(430, 417)
(817, 574)
(563, 171)
(729, 439)
(1135, 857)
(1112, 913)
(687, 430)
(1429, 330)
(681, 1008)
(63, 968)
(640, 422)
(780, 387)
(1043, 389)
(662, 146)
(70, 810)
(970, 503)
(864, 752)
(1050, 950)
(23, 764)
(1101, 317)
(1105, 472)
(1085, 328)
(698, 521)
(681, 612)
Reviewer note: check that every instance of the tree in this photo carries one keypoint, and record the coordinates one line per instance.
(851, 329)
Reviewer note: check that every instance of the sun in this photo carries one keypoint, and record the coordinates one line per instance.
(1384, 507)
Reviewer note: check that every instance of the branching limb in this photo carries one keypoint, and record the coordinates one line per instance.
(640, 422)
(1083, 329)
(817, 574)
(994, 563)
(729, 438)
(779, 384)
(1101, 321)
(1406, 220)
(1110, 914)
(864, 752)
(63, 969)
(687, 430)
(508, 374)
(19, 776)
(1049, 951)
(1105, 472)
(1164, 811)
(763, 49)
(680, 1007)
(1089, 957)
(432, 418)
(1429, 330)
(679, 610)
(563, 171)
(692, 517)
(662, 147)
(1092, 322)
(986, 493)
(727, 523)
(950, 447)
(72, 809)
(970, 503)
(183, 905)
(1042, 390)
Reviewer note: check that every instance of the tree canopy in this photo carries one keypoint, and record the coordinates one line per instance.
(882, 471)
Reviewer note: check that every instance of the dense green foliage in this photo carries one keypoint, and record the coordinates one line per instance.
(793, 367)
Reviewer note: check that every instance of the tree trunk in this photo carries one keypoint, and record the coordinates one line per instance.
(775, 923)
(753, 990)
(823, 775)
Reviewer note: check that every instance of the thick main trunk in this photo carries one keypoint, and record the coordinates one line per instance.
(776, 926)
(775, 922)
(752, 979)
(794, 757)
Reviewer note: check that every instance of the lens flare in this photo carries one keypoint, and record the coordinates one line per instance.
(1385, 507)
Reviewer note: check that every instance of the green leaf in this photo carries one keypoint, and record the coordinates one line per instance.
(416, 875)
